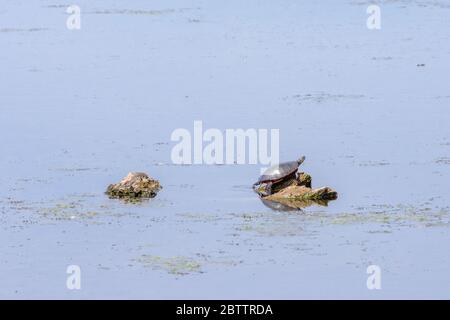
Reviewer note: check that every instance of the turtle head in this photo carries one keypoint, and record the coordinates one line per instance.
(263, 189)
(300, 160)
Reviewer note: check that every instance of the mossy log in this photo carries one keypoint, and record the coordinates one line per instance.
(298, 193)
(304, 193)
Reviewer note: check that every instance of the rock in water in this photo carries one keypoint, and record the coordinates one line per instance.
(135, 185)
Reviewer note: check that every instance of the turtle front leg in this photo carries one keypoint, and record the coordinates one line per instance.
(268, 189)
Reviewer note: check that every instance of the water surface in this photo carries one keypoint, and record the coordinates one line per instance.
(80, 109)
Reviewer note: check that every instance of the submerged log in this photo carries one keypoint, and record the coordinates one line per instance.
(298, 197)
(135, 185)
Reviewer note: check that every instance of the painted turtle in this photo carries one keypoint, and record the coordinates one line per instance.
(280, 174)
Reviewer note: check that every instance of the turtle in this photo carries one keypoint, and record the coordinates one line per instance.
(277, 176)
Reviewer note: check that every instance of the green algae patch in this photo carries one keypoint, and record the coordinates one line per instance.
(352, 218)
(183, 265)
(400, 215)
(177, 265)
(82, 208)
(376, 219)
(142, 12)
(67, 211)
(443, 160)
(373, 163)
(201, 217)
(269, 225)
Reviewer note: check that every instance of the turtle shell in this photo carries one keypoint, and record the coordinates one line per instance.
(280, 171)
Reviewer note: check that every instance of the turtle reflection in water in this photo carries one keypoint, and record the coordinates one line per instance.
(290, 189)
(287, 204)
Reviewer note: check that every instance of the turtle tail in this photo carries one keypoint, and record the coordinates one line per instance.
(300, 160)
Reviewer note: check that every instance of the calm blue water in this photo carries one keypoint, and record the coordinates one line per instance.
(80, 109)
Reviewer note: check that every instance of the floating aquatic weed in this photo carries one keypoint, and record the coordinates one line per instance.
(202, 217)
(54, 6)
(7, 30)
(76, 169)
(220, 259)
(400, 215)
(404, 3)
(134, 12)
(382, 58)
(384, 215)
(67, 211)
(351, 218)
(322, 97)
(271, 224)
(140, 11)
(444, 160)
(83, 208)
(183, 265)
(177, 265)
(373, 163)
